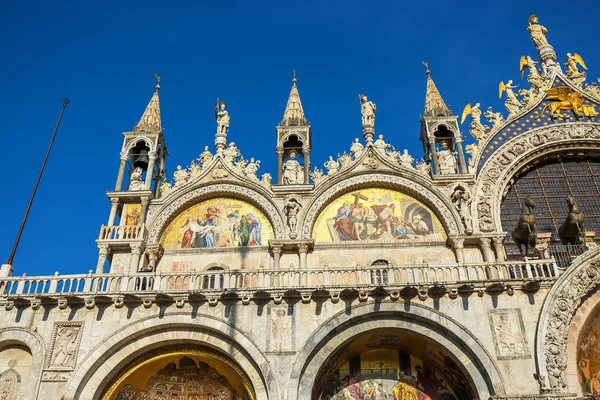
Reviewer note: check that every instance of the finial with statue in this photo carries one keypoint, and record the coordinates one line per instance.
(538, 37)
(512, 103)
(476, 128)
(222, 117)
(367, 109)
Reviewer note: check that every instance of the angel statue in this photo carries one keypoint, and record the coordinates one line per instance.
(512, 104)
(476, 128)
(367, 109)
(222, 116)
(573, 73)
(534, 77)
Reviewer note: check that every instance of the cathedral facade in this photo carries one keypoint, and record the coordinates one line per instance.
(471, 274)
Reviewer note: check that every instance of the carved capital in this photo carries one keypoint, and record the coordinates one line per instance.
(498, 241)
(485, 243)
(276, 249)
(114, 202)
(154, 252)
(124, 157)
(103, 250)
(136, 248)
(303, 248)
(458, 243)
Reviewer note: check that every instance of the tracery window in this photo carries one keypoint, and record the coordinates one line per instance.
(215, 280)
(548, 184)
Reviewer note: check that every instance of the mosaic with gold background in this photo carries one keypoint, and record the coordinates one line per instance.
(219, 222)
(377, 215)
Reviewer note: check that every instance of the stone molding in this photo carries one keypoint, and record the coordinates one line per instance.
(434, 198)
(560, 306)
(517, 153)
(35, 343)
(159, 219)
(107, 358)
(420, 320)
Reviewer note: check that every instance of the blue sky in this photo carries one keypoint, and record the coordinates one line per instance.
(102, 55)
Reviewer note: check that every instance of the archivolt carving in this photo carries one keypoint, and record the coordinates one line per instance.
(168, 211)
(516, 153)
(561, 304)
(438, 202)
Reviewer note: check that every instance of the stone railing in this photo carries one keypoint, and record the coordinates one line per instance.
(125, 232)
(451, 278)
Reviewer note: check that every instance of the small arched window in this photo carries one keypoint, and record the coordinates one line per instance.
(379, 276)
(214, 279)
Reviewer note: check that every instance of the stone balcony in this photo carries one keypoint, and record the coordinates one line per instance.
(268, 284)
(123, 233)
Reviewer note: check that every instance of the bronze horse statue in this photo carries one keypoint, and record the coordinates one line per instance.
(572, 231)
(524, 232)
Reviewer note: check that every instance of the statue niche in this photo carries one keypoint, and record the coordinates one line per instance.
(292, 172)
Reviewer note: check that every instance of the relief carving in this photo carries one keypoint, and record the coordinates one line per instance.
(507, 330)
(65, 345)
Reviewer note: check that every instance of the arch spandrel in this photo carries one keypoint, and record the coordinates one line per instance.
(166, 213)
(430, 198)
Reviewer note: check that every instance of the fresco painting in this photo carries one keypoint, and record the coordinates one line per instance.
(220, 222)
(377, 215)
(588, 358)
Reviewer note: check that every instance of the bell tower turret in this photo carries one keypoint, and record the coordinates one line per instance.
(294, 142)
(440, 135)
(143, 153)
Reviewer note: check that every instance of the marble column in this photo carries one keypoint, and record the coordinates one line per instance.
(114, 203)
(303, 250)
(486, 248)
(121, 173)
(103, 252)
(136, 252)
(150, 170)
(143, 210)
(279, 165)
(276, 256)
(436, 163)
(306, 157)
(498, 243)
(459, 245)
(461, 154)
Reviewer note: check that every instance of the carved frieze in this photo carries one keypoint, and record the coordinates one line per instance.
(65, 346)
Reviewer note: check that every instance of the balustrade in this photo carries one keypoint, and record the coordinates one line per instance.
(124, 232)
(264, 279)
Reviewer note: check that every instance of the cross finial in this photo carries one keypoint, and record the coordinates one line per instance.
(294, 80)
(426, 64)
(157, 82)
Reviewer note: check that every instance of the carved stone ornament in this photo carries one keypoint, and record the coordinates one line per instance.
(65, 346)
(220, 172)
(560, 307)
(502, 165)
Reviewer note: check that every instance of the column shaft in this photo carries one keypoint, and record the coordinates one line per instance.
(120, 175)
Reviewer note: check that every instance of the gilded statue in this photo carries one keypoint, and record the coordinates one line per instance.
(367, 108)
(222, 117)
(476, 128)
(512, 103)
(573, 73)
(564, 99)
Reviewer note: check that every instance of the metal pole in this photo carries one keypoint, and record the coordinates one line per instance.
(37, 182)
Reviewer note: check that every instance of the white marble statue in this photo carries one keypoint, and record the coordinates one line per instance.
(135, 181)
(239, 165)
(194, 169)
(266, 180)
(494, 118)
(222, 116)
(356, 149)
(406, 160)
(367, 109)
(472, 150)
(206, 157)
(462, 202)
(165, 188)
(252, 168)
(291, 209)
(446, 159)
(316, 175)
(380, 145)
(423, 167)
(292, 171)
(345, 160)
(231, 153)
(537, 32)
(332, 166)
(180, 176)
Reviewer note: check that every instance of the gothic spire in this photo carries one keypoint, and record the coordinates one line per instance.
(150, 121)
(434, 104)
(293, 114)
